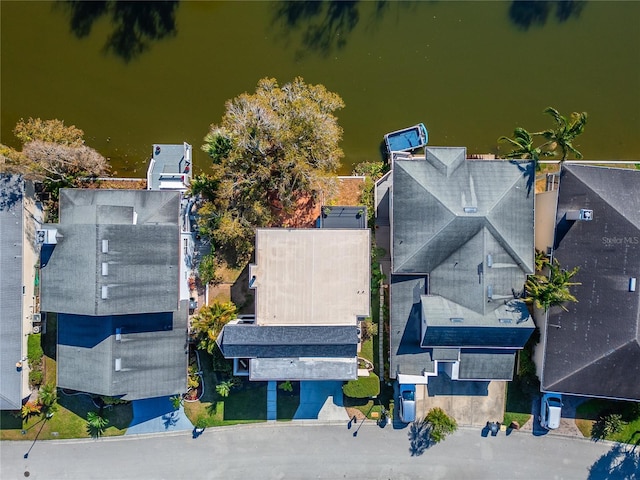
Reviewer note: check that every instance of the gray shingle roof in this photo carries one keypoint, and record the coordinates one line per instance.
(486, 365)
(151, 350)
(142, 258)
(429, 217)
(251, 341)
(303, 368)
(140, 276)
(11, 239)
(407, 356)
(468, 225)
(594, 348)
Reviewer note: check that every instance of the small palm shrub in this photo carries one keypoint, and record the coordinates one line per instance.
(440, 424)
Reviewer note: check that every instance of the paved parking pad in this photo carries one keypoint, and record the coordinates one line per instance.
(321, 400)
(153, 415)
(470, 403)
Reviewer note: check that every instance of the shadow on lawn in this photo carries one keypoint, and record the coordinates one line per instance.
(120, 416)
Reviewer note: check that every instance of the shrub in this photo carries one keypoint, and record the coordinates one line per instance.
(224, 388)
(286, 386)
(193, 380)
(440, 424)
(113, 400)
(30, 409)
(611, 424)
(34, 350)
(368, 329)
(363, 387)
(36, 377)
(221, 364)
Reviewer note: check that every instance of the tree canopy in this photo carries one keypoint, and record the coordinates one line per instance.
(54, 154)
(271, 149)
(553, 290)
(207, 324)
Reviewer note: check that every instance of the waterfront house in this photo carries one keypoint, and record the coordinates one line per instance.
(110, 271)
(593, 348)
(460, 239)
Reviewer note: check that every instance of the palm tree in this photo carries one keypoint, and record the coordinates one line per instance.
(565, 132)
(208, 323)
(47, 398)
(545, 292)
(96, 424)
(522, 143)
(224, 388)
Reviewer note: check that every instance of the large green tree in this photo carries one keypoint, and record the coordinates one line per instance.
(271, 149)
(207, 324)
(54, 154)
(553, 290)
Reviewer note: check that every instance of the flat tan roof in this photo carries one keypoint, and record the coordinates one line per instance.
(311, 276)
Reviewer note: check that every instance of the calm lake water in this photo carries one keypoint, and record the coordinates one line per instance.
(471, 71)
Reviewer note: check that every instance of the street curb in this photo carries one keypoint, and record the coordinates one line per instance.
(296, 424)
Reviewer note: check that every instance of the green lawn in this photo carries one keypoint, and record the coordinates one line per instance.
(520, 395)
(246, 404)
(588, 413)
(69, 421)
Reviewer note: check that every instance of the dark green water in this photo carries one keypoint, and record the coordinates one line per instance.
(465, 69)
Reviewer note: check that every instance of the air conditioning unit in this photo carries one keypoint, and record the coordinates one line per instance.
(36, 329)
(36, 318)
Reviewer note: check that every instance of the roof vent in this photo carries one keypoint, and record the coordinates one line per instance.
(105, 269)
(118, 334)
(456, 319)
(105, 292)
(470, 209)
(582, 215)
(489, 260)
(118, 365)
(47, 237)
(504, 320)
(632, 284)
(105, 246)
(490, 292)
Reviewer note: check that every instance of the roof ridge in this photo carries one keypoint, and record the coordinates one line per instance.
(398, 267)
(506, 245)
(435, 235)
(579, 177)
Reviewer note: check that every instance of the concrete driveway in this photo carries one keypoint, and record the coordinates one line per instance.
(321, 400)
(470, 403)
(153, 415)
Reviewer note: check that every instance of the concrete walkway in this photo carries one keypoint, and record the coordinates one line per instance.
(321, 400)
(272, 401)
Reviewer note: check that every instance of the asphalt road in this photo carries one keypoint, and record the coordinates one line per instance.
(277, 451)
